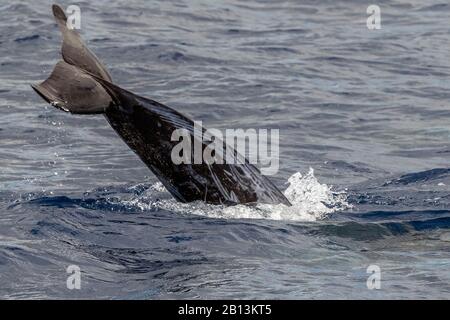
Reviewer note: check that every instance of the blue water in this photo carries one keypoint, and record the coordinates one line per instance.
(369, 111)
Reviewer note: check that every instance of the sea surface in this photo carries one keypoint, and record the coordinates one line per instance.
(364, 120)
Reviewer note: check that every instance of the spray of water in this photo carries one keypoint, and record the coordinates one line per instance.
(310, 200)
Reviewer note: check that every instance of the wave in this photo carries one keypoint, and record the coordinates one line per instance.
(311, 201)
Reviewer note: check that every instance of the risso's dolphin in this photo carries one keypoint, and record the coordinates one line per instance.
(80, 84)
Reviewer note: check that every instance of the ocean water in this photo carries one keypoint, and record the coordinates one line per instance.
(364, 119)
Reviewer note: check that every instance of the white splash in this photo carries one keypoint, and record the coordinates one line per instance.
(310, 200)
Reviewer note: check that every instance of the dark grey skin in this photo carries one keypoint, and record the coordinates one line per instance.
(80, 84)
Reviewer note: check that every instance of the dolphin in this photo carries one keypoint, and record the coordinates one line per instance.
(80, 84)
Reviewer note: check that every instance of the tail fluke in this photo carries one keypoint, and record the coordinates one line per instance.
(71, 86)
